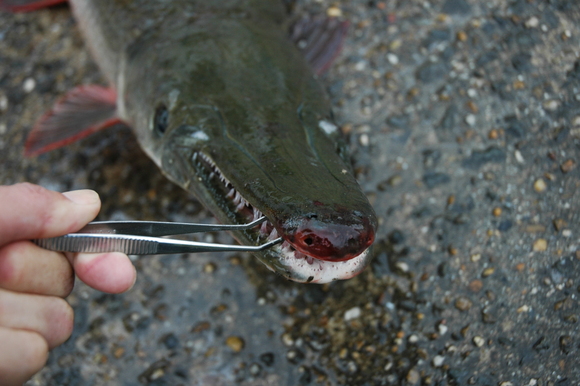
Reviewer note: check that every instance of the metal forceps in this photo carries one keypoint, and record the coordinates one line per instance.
(143, 238)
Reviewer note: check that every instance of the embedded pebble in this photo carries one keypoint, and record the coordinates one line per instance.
(478, 341)
(235, 343)
(28, 85)
(463, 304)
(540, 185)
(413, 377)
(488, 272)
(353, 313)
(540, 245)
(476, 285)
(532, 22)
(438, 360)
(568, 166)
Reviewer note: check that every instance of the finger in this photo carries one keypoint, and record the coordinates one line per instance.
(108, 272)
(22, 355)
(30, 211)
(25, 267)
(49, 316)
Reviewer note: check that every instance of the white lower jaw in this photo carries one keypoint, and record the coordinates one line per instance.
(319, 271)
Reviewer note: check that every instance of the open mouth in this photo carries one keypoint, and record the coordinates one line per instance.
(244, 211)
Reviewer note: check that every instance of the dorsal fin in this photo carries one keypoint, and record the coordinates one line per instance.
(320, 38)
(81, 112)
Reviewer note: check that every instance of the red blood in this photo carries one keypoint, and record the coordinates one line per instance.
(334, 241)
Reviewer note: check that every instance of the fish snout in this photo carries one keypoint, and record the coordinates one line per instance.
(332, 240)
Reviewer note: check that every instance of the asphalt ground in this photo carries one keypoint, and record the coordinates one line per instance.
(464, 123)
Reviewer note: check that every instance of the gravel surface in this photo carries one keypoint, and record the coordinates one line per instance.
(464, 123)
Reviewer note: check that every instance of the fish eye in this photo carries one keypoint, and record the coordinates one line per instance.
(161, 119)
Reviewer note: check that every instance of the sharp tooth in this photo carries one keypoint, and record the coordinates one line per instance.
(257, 214)
(194, 156)
(231, 193)
(264, 228)
(240, 206)
(211, 175)
(273, 235)
(237, 198)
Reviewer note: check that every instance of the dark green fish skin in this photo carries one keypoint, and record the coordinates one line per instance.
(220, 97)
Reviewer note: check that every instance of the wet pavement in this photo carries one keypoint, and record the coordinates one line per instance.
(464, 123)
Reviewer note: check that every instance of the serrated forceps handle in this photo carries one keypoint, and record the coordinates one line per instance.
(136, 238)
(138, 245)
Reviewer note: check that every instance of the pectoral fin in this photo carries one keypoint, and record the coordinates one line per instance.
(81, 112)
(27, 5)
(320, 38)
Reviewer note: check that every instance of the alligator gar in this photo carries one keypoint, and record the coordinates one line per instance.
(227, 106)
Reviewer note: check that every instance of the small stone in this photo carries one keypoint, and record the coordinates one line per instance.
(488, 272)
(287, 340)
(170, 341)
(559, 224)
(524, 308)
(438, 360)
(535, 228)
(267, 358)
(540, 245)
(294, 356)
(255, 369)
(551, 105)
(364, 140)
(28, 85)
(540, 185)
(493, 134)
(393, 59)
(520, 267)
(532, 22)
(476, 285)
(478, 341)
(463, 304)
(470, 119)
(476, 257)
(118, 352)
(461, 36)
(519, 85)
(568, 166)
(473, 107)
(334, 12)
(209, 268)
(413, 377)
(353, 313)
(496, 211)
(235, 343)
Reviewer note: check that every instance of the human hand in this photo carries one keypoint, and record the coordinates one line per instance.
(34, 317)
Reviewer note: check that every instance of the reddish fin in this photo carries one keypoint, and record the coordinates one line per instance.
(27, 5)
(320, 38)
(81, 112)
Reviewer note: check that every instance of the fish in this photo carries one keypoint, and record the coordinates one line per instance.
(221, 98)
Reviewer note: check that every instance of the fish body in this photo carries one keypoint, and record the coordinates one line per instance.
(228, 108)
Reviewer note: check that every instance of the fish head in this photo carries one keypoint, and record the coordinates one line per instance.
(255, 139)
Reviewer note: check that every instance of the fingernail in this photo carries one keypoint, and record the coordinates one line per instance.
(83, 197)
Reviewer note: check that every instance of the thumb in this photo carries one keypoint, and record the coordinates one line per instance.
(30, 211)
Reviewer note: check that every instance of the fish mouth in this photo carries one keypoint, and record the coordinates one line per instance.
(285, 259)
